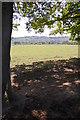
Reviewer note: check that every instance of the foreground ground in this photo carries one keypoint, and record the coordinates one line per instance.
(46, 90)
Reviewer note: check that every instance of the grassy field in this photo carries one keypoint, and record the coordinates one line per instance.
(52, 87)
(31, 53)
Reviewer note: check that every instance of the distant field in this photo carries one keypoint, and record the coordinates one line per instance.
(31, 53)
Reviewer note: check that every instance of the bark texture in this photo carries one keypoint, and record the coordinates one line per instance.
(7, 14)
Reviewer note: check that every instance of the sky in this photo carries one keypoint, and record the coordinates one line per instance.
(21, 32)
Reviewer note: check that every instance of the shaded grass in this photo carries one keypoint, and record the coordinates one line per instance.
(50, 90)
(31, 53)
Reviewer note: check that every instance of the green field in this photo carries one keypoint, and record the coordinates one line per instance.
(31, 53)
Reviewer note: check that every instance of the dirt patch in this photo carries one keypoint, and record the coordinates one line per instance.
(49, 89)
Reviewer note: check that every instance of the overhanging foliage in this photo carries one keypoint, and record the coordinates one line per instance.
(63, 17)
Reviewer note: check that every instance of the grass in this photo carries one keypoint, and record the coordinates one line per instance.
(31, 53)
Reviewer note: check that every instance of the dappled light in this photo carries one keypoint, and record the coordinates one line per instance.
(39, 114)
(43, 81)
(77, 82)
(51, 89)
(67, 84)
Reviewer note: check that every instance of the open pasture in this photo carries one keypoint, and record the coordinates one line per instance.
(32, 53)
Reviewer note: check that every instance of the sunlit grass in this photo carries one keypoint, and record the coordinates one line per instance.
(30, 53)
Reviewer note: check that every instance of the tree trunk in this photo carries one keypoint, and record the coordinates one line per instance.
(7, 14)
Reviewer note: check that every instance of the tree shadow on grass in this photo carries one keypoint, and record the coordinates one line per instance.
(61, 72)
(53, 87)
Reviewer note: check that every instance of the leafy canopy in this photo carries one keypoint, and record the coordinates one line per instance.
(63, 17)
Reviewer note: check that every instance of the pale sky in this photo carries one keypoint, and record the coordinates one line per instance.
(21, 32)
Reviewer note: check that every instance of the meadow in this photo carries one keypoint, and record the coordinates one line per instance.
(28, 54)
(45, 87)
